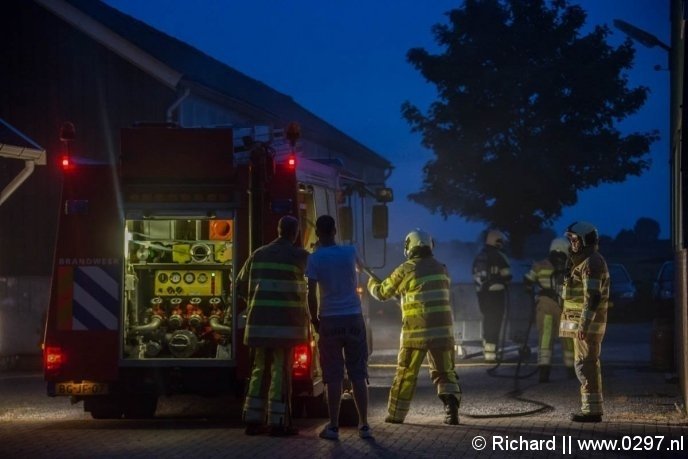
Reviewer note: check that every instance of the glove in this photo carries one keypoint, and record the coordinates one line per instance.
(479, 278)
(372, 284)
(584, 323)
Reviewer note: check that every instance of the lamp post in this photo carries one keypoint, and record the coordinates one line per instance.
(647, 39)
(639, 35)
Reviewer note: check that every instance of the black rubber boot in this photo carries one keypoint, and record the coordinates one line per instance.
(392, 420)
(544, 373)
(283, 431)
(583, 417)
(255, 429)
(451, 411)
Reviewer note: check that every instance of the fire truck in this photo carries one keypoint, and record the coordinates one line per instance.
(143, 302)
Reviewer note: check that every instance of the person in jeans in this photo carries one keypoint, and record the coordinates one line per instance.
(338, 319)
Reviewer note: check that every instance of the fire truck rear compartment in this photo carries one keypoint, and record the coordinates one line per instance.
(177, 290)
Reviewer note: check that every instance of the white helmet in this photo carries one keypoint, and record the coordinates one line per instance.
(559, 244)
(417, 238)
(586, 232)
(495, 238)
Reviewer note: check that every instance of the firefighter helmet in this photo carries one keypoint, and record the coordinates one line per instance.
(559, 253)
(560, 245)
(415, 240)
(585, 232)
(495, 239)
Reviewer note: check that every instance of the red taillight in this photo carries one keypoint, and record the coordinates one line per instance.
(65, 163)
(302, 361)
(54, 359)
(291, 162)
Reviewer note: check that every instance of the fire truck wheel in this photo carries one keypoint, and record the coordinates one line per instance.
(103, 407)
(140, 406)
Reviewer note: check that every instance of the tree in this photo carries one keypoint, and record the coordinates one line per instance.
(606, 241)
(646, 229)
(537, 244)
(525, 116)
(626, 237)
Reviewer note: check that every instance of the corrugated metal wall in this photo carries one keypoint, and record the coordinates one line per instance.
(52, 73)
(679, 211)
(681, 324)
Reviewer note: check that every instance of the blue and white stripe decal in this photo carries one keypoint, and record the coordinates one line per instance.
(96, 297)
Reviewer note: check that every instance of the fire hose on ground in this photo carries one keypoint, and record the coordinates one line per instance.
(514, 394)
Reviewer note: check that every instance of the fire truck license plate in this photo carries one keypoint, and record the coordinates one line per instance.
(82, 388)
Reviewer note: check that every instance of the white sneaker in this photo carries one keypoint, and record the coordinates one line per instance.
(365, 432)
(330, 433)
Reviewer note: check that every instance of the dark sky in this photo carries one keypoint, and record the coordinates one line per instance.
(345, 61)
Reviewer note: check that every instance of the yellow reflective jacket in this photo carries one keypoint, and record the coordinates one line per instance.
(272, 280)
(589, 277)
(548, 280)
(423, 285)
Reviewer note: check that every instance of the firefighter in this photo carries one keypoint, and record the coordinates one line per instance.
(427, 328)
(547, 276)
(273, 284)
(584, 317)
(492, 274)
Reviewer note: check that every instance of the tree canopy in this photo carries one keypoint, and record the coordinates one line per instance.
(526, 114)
(646, 229)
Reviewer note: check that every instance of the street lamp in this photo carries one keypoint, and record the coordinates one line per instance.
(649, 40)
(639, 35)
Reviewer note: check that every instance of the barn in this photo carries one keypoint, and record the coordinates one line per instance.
(86, 63)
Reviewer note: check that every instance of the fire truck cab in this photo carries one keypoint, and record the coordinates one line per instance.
(143, 301)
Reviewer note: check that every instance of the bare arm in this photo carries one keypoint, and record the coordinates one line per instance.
(313, 302)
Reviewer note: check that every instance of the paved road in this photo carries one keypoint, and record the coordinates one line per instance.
(640, 416)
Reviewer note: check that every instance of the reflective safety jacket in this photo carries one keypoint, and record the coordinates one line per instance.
(549, 281)
(587, 279)
(272, 281)
(423, 284)
(491, 270)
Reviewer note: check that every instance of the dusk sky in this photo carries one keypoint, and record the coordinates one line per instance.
(345, 61)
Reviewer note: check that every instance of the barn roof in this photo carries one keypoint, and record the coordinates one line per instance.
(197, 68)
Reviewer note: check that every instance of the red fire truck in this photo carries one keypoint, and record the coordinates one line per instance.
(143, 301)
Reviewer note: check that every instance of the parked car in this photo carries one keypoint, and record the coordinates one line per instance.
(622, 287)
(663, 288)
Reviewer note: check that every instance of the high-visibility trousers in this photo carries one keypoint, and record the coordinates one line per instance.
(589, 373)
(269, 388)
(547, 315)
(404, 385)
